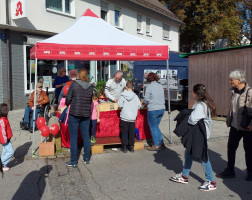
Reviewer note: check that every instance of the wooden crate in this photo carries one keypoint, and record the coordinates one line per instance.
(46, 149)
(101, 142)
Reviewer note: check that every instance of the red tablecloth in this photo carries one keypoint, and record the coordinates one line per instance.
(110, 120)
(109, 127)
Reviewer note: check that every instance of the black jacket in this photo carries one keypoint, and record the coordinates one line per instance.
(194, 137)
(79, 96)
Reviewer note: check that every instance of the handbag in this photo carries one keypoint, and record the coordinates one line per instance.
(246, 114)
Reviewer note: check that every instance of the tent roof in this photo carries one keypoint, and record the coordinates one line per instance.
(91, 38)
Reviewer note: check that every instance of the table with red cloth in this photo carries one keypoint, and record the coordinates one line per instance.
(109, 126)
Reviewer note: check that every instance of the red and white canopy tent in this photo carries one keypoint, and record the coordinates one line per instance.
(91, 38)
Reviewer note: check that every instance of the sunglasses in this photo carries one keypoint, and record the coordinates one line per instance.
(40, 87)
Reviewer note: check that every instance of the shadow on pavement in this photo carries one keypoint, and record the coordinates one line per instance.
(33, 185)
(171, 160)
(238, 185)
(19, 154)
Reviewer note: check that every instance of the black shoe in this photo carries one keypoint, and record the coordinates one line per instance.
(69, 164)
(131, 149)
(227, 173)
(161, 147)
(24, 126)
(248, 177)
(124, 149)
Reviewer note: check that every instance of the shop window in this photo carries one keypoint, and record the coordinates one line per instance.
(102, 70)
(79, 64)
(139, 23)
(113, 68)
(63, 6)
(148, 26)
(104, 11)
(47, 70)
(166, 32)
(118, 17)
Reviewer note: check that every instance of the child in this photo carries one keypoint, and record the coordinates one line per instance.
(130, 103)
(5, 136)
(95, 118)
(203, 109)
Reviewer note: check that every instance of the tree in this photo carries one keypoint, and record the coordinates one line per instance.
(245, 12)
(206, 21)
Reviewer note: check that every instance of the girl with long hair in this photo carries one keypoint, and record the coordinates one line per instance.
(203, 108)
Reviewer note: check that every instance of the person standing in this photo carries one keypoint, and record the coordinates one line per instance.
(95, 118)
(73, 76)
(130, 103)
(154, 98)
(5, 137)
(241, 95)
(59, 82)
(79, 97)
(115, 86)
(203, 109)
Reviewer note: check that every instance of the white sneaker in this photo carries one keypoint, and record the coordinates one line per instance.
(6, 169)
(179, 178)
(208, 186)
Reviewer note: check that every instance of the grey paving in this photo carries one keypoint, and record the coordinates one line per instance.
(115, 175)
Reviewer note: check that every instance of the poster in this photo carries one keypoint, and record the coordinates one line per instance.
(32, 66)
(162, 74)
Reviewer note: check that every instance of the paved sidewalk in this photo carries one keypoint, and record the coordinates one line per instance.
(115, 175)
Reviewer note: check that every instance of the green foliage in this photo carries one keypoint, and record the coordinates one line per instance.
(206, 21)
(99, 85)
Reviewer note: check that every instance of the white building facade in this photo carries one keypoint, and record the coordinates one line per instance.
(24, 22)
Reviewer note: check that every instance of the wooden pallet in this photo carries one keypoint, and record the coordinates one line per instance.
(101, 142)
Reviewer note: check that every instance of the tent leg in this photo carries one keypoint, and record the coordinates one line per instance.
(168, 101)
(34, 111)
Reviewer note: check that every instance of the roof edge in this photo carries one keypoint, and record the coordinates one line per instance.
(185, 55)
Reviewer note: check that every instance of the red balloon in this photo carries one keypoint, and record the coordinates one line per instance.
(45, 131)
(65, 89)
(41, 121)
(54, 129)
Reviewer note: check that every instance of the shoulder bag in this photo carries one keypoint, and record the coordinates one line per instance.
(246, 114)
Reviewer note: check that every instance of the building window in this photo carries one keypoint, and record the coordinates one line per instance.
(148, 26)
(104, 11)
(166, 32)
(118, 17)
(64, 6)
(139, 23)
(47, 70)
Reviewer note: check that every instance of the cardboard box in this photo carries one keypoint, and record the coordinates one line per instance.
(108, 106)
(46, 149)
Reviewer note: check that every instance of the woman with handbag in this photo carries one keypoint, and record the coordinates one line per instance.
(240, 124)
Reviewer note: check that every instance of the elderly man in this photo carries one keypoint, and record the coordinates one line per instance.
(41, 100)
(115, 86)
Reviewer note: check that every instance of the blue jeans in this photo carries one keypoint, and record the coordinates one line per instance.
(93, 124)
(154, 118)
(74, 123)
(206, 165)
(27, 119)
(7, 153)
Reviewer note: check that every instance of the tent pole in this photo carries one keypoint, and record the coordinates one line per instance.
(34, 103)
(66, 67)
(168, 101)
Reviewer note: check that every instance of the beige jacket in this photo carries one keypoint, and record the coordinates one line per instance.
(234, 116)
